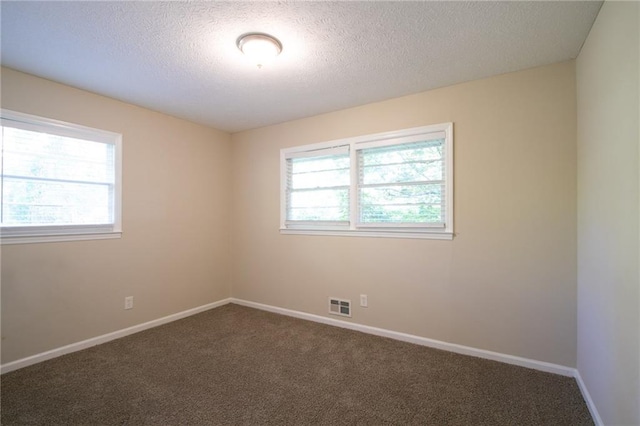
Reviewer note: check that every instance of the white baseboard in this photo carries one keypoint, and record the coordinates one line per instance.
(451, 347)
(587, 398)
(74, 347)
(423, 341)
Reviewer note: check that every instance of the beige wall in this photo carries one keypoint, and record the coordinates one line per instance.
(609, 213)
(506, 283)
(174, 252)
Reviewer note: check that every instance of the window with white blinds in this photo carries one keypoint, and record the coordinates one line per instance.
(318, 187)
(60, 181)
(397, 184)
(402, 184)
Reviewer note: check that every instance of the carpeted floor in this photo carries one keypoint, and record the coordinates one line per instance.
(236, 365)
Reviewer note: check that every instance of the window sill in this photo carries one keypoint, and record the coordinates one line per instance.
(30, 239)
(370, 233)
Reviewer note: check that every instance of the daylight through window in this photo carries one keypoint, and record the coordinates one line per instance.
(59, 181)
(396, 184)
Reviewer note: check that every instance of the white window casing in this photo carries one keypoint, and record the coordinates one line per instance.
(393, 184)
(60, 181)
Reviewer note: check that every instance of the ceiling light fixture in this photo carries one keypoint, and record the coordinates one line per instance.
(259, 47)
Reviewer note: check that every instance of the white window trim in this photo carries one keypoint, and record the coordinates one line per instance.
(364, 230)
(59, 233)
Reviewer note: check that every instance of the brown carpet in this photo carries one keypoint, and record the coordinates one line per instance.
(236, 365)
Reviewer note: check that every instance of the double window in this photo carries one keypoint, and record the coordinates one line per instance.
(60, 181)
(397, 184)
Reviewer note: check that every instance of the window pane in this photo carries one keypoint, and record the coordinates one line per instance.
(35, 154)
(318, 188)
(427, 150)
(415, 171)
(402, 194)
(382, 172)
(49, 179)
(322, 205)
(27, 202)
(401, 214)
(414, 162)
(319, 172)
(401, 203)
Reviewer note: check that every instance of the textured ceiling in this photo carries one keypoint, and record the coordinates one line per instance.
(181, 58)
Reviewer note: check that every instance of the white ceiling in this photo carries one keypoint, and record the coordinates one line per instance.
(180, 58)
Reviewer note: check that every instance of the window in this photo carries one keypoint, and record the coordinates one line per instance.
(60, 181)
(318, 187)
(394, 184)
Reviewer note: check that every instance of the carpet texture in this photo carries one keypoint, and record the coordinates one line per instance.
(237, 365)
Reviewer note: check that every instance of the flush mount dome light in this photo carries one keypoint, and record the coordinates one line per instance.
(259, 47)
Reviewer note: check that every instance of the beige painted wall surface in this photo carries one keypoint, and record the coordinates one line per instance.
(506, 283)
(608, 213)
(174, 252)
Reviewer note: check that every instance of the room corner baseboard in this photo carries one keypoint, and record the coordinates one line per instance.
(74, 347)
(587, 398)
(423, 341)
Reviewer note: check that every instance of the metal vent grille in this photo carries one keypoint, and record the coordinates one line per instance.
(340, 307)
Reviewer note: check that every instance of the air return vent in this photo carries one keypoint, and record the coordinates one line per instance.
(340, 307)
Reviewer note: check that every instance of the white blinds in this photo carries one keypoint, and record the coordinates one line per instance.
(317, 186)
(394, 184)
(54, 179)
(402, 185)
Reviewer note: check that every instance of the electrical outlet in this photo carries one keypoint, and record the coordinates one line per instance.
(363, 300)
(128, 302)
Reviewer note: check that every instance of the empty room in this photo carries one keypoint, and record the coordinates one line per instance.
(320, 212)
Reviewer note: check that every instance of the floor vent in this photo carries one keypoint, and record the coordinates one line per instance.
(340, 307)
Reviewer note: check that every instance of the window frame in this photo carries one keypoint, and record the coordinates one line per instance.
(57, 233)
(355, 144)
